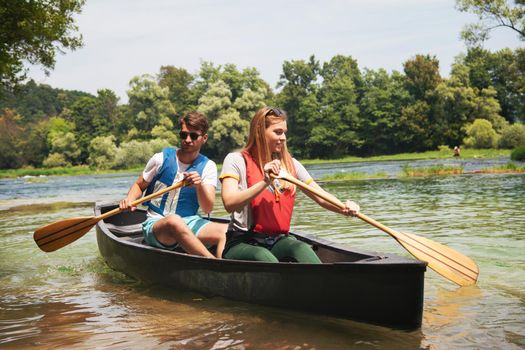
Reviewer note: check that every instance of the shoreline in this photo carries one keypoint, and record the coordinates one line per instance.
(467, 154)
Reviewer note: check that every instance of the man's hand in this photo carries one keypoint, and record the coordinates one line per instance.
(126, 204)
(193, 179)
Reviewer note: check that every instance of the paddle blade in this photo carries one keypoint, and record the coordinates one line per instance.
(444, 260)
(61, 233)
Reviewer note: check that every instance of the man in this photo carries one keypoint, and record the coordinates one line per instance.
(172, 218)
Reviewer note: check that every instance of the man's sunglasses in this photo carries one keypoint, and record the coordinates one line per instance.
(193, 135)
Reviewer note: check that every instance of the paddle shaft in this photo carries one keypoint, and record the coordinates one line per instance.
(338, 203)
(141, 200)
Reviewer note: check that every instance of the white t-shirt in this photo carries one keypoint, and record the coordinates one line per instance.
(208, 177)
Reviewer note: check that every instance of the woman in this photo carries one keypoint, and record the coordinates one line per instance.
(261, 207)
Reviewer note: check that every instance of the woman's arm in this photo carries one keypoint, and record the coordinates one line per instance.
(235, 199)
(350, 208)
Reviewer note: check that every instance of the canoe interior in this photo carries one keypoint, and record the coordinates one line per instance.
(382, 289)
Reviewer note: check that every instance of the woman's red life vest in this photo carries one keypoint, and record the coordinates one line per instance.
(271, 210)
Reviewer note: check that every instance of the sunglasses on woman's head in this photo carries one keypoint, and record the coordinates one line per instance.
(275, 111)
(193, 135)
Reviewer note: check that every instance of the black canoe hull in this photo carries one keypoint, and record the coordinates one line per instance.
(379, 289)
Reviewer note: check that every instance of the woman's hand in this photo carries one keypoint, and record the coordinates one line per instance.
(351, 208)
(272, 167)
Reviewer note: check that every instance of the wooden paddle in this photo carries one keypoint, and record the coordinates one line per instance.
(61, 233)
(446, 261)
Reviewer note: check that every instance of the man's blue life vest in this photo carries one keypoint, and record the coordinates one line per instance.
(187, 203)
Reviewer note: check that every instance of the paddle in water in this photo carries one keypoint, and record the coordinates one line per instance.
(61, 233)
(446, 261)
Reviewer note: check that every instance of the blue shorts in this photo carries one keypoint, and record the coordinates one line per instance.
(194, 222)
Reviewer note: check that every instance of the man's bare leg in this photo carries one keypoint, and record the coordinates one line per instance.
(172, 229)
(214, 234)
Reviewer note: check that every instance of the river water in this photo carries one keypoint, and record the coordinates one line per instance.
(71, 299)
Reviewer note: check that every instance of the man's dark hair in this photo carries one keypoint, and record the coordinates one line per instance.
(195, 120)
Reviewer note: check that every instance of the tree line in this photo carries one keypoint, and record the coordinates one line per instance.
(334, 109)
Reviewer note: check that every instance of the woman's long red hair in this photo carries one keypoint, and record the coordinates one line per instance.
(257, 145)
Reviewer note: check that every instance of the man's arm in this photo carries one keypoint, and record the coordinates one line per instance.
(205, 193)
(134, 193)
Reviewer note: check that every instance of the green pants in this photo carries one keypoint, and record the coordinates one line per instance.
(286, 249)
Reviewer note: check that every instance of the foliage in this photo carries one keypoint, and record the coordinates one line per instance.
(102, 152)
(10, 139)
(512, 136)
(136, 153)
(148, 104)
(178, 81)
(334, 109)
(165, 132)
(480, 134)
(492, 14)
(34, 31)
(298, 98)
(503, 71)
(431, 171)
(55, 160)
(384, 97)
(518, 153)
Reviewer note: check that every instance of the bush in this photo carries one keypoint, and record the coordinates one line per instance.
(518, 153)
(444, 149)
(480, 134)
(102, 152)
(132, 154)
(55, 160)
(512, 136)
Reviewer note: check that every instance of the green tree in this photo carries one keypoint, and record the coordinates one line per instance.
(384, 97)
(227, 129)
(165, 131)
(62, 141)
(422, 75)
(492, 14)
(298, 97)
(503, 70)
(12, 130)
(102, 152)
(418, 122)
(512, 136)
(179, 82)
(334, 129)
(35, 102)
(148, 104)
(34, 31)
(456, 103)
(249, 102)
(480, 134)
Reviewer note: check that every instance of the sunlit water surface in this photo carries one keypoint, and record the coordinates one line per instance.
(71, 299)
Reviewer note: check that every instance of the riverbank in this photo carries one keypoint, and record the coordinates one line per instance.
(436, 170)
(85, 170)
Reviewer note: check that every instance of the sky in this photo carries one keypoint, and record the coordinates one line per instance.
(126, 38)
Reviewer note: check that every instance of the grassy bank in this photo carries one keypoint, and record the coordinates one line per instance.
(437, 170)
(465, 154)
(74, 170)
(85, 170)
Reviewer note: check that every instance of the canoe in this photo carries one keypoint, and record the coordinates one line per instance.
(382, 289)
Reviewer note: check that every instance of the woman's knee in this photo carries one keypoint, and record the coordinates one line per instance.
(244, 251)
